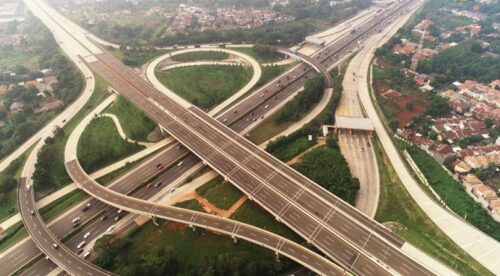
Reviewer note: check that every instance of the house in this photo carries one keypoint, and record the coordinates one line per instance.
(16, 107)
(461, 167)
(405, 49)
(483, 194)
(494, 208)
(3, 89)
(47, 105)
(470, 181)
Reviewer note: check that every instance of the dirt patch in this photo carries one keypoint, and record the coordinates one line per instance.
(175, 226)
(403, 115)
(384, 64)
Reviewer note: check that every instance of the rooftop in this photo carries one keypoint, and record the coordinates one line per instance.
(353, 123)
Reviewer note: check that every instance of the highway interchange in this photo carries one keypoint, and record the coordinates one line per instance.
(232, 158)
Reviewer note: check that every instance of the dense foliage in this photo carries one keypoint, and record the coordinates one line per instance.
(462, 62)
(8, 182)
(452, 192)
(327, 167)
(302, 102)
(438, 107)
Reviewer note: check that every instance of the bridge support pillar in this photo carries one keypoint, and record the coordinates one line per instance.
(277, 254)
(234, 238)
(163, 131)
(154, 221)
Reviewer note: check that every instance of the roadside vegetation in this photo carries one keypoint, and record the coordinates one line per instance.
(327, 166)
(9, 179)
(208, 85)
(50, 173)
(101, 145)
(261, 53)
(401, 214)
(453, 194)
(136, 125)
(175, 249)
(220, 193)
(200, 56)
(134, 56)
(191, 204)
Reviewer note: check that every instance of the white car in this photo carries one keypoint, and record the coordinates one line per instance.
(81, 245)
(86, 254)
(111, 228)
(87, 235)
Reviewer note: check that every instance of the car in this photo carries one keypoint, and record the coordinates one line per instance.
(75, 220)
(149, 185)
(86, 207)
(32, 212)
(362, 149)
(265, 107)
(64, 121)
(110, 229)
(118, 217)
(81, 244)
(180, 164)
(158, 165)
(88, 234)
(104, 217)
(75, 224)
(119, 211)
(79, 251)
(28, 187)
(86, 254)
(158, 184)
(225, 120)
(55, 245)
(368, 144)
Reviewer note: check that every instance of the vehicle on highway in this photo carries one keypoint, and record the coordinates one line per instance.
(149, 185)
(88, 234)
(118, 217)
(110, 229)
(79, 251)
(180, 164)
(81, 245)
(86, 254)
(265, 107)
(119, 211)
(104, 217)
(28, 187)
(86, 207)
(32, 212)
(76, 221)
(158, 184)
(55, 245)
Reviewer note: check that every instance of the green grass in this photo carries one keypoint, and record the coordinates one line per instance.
(250, 52)
(62, 204)
(100, 145)
(13, 234)
(454, 195)
(223, 194)
(191, 204)
(198, 56)
(171, 251)
(136, 125)
(254, 215)
(267, 130)
(208, 85)
(15, 168)
(411, 223)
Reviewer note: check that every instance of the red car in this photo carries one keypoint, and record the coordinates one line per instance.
(149, 185)
(159, 166)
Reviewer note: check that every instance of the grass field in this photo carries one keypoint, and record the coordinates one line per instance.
(220, 193)
(267, 130)
(198, 56)
(191, 204)
(136, 125)
(398, 210)
(249, 51)
(100, 145)
(253, 214)
(208, 85)
(188, 252)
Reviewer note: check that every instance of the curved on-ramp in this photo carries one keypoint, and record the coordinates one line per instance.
(235, 229)
(257, 72)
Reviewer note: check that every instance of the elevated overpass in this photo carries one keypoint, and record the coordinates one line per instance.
(315, 64)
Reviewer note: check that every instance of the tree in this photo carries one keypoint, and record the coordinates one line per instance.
(488, 122)
(394, 124)
(439, 106)
(409, 106)
(331, 142)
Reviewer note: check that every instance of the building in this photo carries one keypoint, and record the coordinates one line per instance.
(16, 107)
